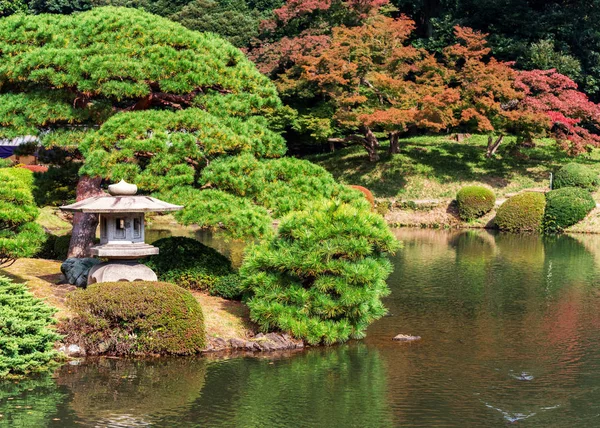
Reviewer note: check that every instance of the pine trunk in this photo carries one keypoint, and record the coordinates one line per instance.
(84, 224)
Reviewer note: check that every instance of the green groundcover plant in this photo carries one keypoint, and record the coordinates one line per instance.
(133, 318)
(474, 202)
(523, 212)
(322, 276)
(26, 341)
(565, 207)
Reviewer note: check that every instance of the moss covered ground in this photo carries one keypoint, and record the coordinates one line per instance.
(437, 167)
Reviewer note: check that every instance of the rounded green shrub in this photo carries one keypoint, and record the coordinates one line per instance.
(322, 277)
(134, 318)
(576, 175)
(565, 207)
(522, 212)
(20, 236)
(474, 202)
(188, 263)
(228, 287)
(26, 341)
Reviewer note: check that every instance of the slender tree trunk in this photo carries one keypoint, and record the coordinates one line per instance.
(394, 146)
(371, 144)
(84, 224)
(331, 146)
(493, 146)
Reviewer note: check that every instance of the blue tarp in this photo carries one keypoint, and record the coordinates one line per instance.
(6, 151)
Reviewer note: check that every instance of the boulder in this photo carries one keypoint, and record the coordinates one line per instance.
(76, 270)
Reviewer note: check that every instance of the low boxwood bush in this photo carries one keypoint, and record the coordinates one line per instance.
(322, 277)
(188, 263)
(522, 212)
(228, 287)
(565, 207)
(474, 202)
(26, 341)
(576, 175)
(135, 318)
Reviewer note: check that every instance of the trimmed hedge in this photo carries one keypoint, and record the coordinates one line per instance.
(188, 263)
(565, 207)
(576, 175)
(26, 341)
(523, 212)
(474, 202)
(133, 318)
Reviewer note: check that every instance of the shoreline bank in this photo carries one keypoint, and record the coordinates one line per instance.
(443, 214)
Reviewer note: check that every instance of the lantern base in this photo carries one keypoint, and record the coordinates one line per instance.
(120, 270)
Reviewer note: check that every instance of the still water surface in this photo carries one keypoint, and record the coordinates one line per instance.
(511, 335)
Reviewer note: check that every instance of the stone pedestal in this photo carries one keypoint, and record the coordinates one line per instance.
(121, 270)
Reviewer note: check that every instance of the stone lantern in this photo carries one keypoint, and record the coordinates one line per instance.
(121, 218)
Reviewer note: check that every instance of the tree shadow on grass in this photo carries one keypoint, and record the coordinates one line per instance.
(444, 161)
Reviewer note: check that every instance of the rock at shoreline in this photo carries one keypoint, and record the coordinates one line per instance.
(259, 343)
(72, 350)
(406, 338)
(76, 270)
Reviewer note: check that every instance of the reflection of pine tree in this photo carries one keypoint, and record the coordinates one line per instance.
(29, 403)
(342, 386)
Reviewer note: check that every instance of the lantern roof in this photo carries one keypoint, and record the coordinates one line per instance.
(122, 199)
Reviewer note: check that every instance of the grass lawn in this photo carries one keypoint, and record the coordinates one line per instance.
(436, 167)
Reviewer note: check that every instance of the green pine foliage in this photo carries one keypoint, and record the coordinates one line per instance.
(474, 202)
(134, 318)
(20, 236)
(56, 186)
(576, 175)
(280, 185)
(188, 263)
(26, 341)
(565, 207)
(323, 276)
(522, 212)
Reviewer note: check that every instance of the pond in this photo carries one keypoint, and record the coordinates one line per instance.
(510, 330)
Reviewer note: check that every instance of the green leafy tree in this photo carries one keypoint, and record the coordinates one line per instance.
(20, 236)
(8, 7)
(59, 6)
(233, 19)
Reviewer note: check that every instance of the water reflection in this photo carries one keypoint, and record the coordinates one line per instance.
(511, 333)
